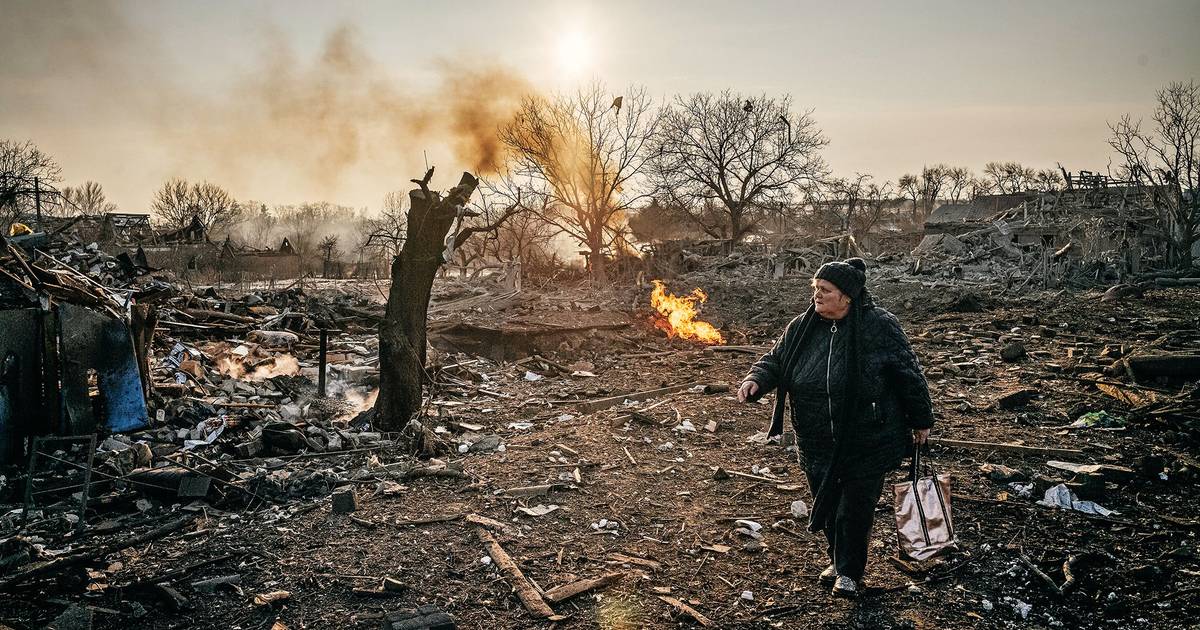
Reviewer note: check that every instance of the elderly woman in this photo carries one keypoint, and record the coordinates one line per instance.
(858, 401)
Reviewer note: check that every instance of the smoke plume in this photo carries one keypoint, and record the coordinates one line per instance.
(281, 126)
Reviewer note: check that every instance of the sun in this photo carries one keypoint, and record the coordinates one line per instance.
(574, 51)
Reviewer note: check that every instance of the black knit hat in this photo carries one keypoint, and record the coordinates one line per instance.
(849, 275)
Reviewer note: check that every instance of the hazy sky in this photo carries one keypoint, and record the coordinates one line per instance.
(131, 93)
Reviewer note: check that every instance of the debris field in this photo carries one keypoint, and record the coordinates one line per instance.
(579, 468)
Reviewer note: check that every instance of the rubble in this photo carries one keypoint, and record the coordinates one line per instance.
(577, 462)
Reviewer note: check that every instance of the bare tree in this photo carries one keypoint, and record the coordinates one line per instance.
(177, 201)
(1007, 178)
(25, 173)
(328, 246)
(925, 189)
(909, 186)
(851, 205)
(87, 200)
(258, 226)
(586, 152)
(525, 236)
(385, 233)
(1047, 180)
(874, 201)
(744, 154)
(1165, 160)
(959, 180)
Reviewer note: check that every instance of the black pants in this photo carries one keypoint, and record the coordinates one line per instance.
(851, 531)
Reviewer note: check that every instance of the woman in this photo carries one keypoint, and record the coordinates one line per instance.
(857, 394)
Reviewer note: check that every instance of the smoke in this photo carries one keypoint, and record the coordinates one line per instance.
(280, 126)
(342, 112)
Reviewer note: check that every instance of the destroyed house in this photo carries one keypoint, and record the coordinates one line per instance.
(282, 262)
(193, 232)
(113, 228)
(1093, 218)
(67, 360)
(961, 217)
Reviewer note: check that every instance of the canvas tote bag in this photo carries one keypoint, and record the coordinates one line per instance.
(923, 524)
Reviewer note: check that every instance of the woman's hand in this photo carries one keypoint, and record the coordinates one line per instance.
(748, 389)
(920, 436)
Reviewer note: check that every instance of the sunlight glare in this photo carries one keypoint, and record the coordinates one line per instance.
(574, 51)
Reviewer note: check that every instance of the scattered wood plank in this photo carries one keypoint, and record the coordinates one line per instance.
(88, 555)
(601, 404)
(653, 565)
(755, 477)
(494, 525)
(530, 491)
(745, 349)
(529, 596)
(567, 591)
(441, 518)
(1164, 364)
(687, 610)
(1044, 451)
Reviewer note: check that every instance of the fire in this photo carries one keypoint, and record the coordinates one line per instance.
(679, 315)
(281, 365)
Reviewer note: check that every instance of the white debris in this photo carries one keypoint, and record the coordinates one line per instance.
(748, 596)
(1021, 608)
(1060, 496)
(985, 604)
(486, 560)
(686, 426)
(538, 510)
(799, 509)
(533, 376)
(757, 438)
(1023, 490)
(750, 525)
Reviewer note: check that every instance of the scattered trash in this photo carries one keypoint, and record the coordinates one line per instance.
(1060, 496)
(538, 510)
(1097, 419)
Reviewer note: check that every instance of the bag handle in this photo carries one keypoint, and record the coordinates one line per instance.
(915, 468)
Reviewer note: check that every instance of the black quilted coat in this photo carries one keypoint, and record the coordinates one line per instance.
(888, 400)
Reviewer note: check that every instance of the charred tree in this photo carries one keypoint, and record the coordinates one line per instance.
(402, 338)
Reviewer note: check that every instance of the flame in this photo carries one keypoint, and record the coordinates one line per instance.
(679, 315)
(231, 367)
(280, 365)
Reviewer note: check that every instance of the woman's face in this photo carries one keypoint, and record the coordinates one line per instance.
(830, 302)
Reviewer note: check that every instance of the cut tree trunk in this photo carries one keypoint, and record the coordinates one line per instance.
(402, 331)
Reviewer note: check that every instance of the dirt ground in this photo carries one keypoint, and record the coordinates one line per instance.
(636, 488)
